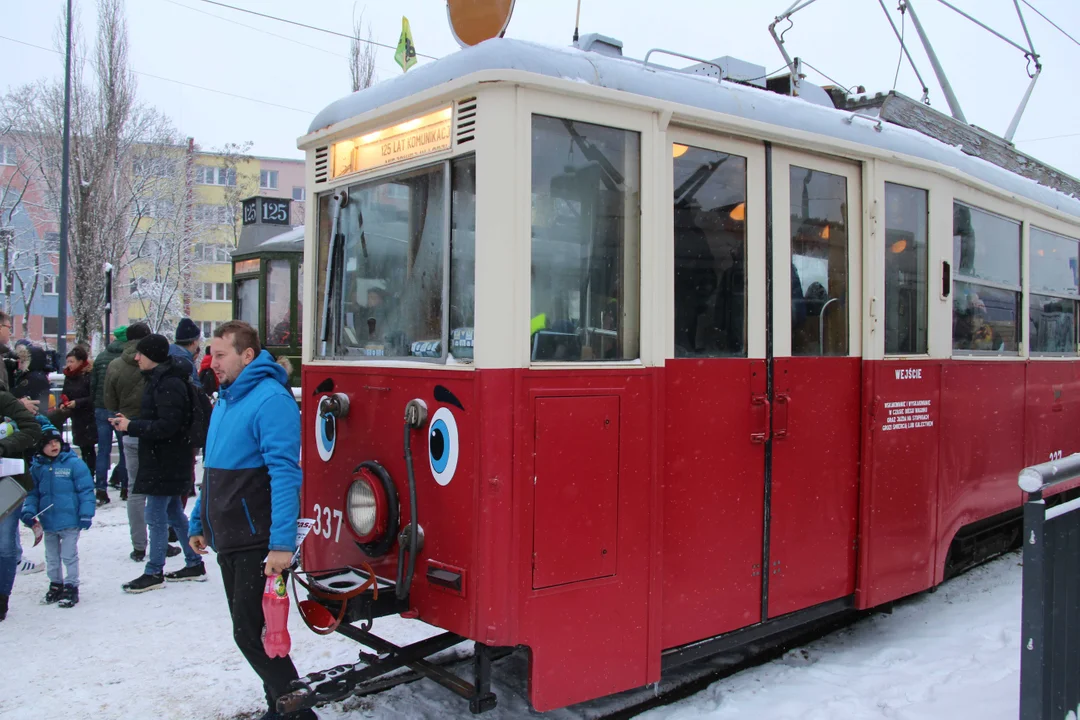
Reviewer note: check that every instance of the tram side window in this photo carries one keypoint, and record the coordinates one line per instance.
(819, 263)
(278, 302)
(905, 270)
(247, 301)
(324, 224)
(463, 257)
(986, 284)
(710, 253)
(586, 209)
(1055, 287)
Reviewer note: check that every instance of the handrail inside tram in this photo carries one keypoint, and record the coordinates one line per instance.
(821, 324)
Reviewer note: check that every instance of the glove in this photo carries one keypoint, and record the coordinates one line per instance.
(28, 520)
(85, 523)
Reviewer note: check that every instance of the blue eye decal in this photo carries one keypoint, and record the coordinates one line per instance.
(443, 445)
(325, 432)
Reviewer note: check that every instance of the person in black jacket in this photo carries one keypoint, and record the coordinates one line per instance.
(77, 405)
(165, 461)
(32, 382)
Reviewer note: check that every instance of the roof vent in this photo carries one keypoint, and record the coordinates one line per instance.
(601, 44)
(322, 163)
(465, 130)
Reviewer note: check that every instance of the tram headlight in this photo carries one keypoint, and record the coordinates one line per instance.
(366, 507)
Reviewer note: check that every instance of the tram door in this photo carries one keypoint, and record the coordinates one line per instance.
(812, 468)
(715, 383)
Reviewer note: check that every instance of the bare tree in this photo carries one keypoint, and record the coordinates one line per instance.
(25, 256)
(108, 130)
(361, 54)
(163, 255)
(241, 185)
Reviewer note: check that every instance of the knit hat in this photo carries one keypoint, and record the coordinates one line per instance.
(120, 333)
(187, 332)
(155, 347)
(137, 331)
(50, 433)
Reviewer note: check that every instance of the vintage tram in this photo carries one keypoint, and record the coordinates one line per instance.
(626, 364)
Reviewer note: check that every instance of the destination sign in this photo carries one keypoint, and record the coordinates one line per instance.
(413, 138)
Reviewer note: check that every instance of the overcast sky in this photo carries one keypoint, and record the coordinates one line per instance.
(198, 43)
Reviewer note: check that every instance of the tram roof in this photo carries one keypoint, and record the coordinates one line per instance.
(671, 85)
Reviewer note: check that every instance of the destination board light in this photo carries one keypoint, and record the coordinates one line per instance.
(409, 139)
(246, 266)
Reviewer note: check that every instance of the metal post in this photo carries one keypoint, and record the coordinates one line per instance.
(950, 97)
(61, 311)
(1023, 105)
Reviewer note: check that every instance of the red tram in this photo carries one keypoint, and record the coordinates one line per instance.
(627, 364)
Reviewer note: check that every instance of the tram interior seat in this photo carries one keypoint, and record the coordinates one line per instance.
(549, 345)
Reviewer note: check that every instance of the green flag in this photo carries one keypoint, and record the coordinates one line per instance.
(406, 50)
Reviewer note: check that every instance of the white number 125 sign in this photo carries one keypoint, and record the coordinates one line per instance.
(324, 522)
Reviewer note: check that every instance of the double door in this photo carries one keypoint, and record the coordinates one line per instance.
(763, 385)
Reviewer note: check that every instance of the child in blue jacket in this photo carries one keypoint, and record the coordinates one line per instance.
(63, 495)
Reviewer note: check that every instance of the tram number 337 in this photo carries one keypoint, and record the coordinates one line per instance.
(324, 522)
(1057, 455)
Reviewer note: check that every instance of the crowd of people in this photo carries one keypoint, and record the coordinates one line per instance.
(162, 403)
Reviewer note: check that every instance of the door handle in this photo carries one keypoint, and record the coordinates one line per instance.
(760, 410)
(780, 419)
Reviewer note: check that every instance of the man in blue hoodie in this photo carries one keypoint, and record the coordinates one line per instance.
(250, 498)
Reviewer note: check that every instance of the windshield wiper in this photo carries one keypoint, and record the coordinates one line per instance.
(337, 246)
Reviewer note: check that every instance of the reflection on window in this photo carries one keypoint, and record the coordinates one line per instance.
(905, 270)
(278, 315)
(463, 257)
(1053, 324)
(391, 293)
(1055, 276)
(710, 253)
(819, 282)
(586, 207)
(323, 229)
(247, 301)
(984, 318)
(299, 301)
(986, 289)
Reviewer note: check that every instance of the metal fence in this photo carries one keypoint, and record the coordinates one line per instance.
(1050, 618)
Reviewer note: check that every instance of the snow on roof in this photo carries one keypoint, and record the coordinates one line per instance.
(631, 76)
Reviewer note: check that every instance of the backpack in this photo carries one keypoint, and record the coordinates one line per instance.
(200, 415)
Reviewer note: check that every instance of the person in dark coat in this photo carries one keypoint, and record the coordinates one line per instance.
(32, 382)
(17, 436)
(77, 405)
(105, 432)
(166, 460)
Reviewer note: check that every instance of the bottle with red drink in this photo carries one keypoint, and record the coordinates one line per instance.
(275, 604)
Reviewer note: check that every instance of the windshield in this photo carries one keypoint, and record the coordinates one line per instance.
(390, 283)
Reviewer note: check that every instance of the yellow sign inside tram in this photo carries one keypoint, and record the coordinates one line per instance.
(413, 138)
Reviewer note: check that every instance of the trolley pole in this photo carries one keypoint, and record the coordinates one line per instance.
(61, 311)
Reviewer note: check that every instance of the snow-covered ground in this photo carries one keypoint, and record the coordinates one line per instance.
(169, 654)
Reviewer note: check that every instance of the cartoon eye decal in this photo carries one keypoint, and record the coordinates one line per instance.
(443, 445)
(325, 433)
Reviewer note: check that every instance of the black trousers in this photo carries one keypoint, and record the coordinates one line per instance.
(242, 573)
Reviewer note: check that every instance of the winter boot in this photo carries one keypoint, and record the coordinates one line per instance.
(123, 494)
(3, 606)
(144, 583)
(172, 536)
(138, 555)
(71, 596)
(192, 572)
(172, 551)
(56, 592)
(102, 497)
